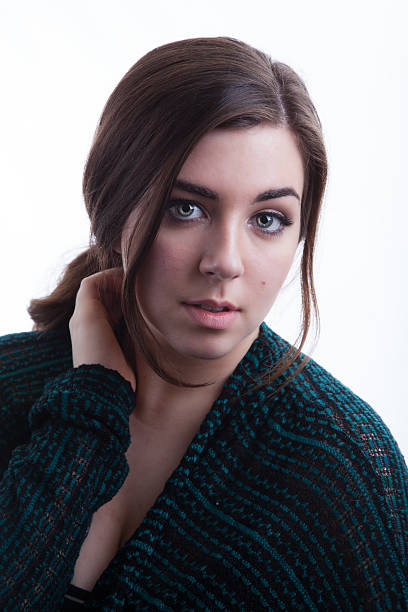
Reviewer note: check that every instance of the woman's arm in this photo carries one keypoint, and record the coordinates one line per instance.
(72, 462)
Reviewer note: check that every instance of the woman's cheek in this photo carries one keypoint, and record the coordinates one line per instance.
(170, 256)
(270, 277)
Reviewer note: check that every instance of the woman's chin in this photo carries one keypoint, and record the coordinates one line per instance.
(220, 347)
(201, 352)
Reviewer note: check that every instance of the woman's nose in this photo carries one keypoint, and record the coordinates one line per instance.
(222, 255)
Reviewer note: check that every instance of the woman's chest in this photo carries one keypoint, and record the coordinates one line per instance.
(113, 524)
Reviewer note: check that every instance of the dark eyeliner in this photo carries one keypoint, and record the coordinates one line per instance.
(178, 201)
(284, 220)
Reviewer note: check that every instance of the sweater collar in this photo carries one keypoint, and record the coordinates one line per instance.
(263, 352)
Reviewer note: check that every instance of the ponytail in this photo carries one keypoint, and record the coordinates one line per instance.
(55, 310)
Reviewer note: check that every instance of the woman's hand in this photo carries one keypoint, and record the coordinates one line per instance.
(97, 312)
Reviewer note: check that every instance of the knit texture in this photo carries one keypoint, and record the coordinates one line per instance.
(293, 501)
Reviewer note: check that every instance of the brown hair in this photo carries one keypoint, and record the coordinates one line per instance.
(160, 109)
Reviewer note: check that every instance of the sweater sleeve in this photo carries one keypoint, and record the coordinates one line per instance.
(73, 462)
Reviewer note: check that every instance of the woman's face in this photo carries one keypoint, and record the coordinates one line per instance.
(227, 241)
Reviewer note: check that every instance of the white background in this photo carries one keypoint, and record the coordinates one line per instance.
(61, 60)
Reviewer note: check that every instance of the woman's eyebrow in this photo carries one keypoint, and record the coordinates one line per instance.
(270, 194)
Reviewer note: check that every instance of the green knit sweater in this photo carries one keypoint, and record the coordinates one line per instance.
(293, 502)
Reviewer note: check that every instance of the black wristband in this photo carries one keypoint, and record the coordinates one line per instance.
(78, 592)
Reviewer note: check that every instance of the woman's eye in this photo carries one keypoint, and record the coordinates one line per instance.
(267, 222)
(183, 209)
(271, 223)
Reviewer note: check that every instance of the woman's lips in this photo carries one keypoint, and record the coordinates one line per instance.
(212, 320)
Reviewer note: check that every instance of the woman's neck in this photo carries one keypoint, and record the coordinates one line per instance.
(162, 405)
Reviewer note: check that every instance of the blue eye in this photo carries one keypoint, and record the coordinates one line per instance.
(272, 223)
(184, 209)
(269, 223)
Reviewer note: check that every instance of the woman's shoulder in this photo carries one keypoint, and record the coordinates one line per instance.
(316, 397)
(29, 357)
(314, 384)
(321, 435)
(34, 346)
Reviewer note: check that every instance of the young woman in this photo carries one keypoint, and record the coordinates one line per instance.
(161, 447)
